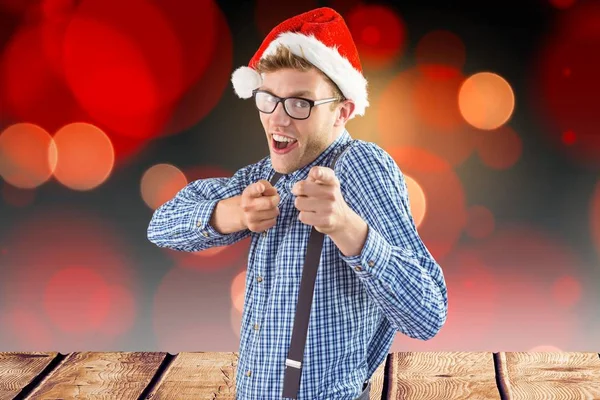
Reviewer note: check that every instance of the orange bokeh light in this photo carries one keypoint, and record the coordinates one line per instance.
(418, 202)
(405, 116)
(238, 289)
(446, 214)
(27, 153)
(161, 183)
(85, 156)
(486, 100)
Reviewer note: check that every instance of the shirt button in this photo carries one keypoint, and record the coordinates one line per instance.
(199, 223)
(259, 279)
(358, 268)
(371, 263)
(255, 327)
(249, 373)
(264, 233)
(204, 233)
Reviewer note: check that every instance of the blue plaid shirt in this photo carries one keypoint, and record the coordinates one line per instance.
(359, 302)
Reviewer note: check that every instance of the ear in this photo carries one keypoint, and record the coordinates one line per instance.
(344, 112)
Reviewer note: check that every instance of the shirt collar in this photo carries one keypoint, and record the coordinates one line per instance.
(335, 147)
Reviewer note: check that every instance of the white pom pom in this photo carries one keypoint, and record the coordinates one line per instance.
(245, 80)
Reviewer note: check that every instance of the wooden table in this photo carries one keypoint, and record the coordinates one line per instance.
(210, 375)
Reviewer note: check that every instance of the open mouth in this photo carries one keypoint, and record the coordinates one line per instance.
(282, 144)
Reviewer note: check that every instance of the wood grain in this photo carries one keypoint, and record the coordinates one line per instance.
(377, 381)
(204, 375)
(17, 370)
(553, 375)
(92, 375)
(442, 375)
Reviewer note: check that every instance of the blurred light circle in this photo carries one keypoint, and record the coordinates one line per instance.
(403, 114)
(238, 289)
(565, 83)
(123, 66)
(77, 291)
(566, 291)
(160, 183)
(446, 212)
(378, 32)
(418, 202)
(486, 100)
(85, 156)
(27, 152)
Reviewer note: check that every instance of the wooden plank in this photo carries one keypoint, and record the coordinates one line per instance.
(442, 375)
(551, 375)
(17, 370)
(377, 381)
(202, 375)
(86, 375)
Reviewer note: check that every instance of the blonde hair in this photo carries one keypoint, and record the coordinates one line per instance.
(284, 58)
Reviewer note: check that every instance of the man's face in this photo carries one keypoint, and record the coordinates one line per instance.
(312, 135)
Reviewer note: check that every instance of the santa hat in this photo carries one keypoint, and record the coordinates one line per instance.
(322, 38)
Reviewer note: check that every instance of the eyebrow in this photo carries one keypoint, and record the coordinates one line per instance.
(299, 93)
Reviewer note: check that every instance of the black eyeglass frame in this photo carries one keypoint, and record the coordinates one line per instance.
(282, 100)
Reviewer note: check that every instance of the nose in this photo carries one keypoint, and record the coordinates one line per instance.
(279, 116)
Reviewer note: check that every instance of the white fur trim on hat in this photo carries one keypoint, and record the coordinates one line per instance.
(245, 80)
(350, 81)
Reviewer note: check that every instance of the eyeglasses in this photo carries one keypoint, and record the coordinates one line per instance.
(295, 107)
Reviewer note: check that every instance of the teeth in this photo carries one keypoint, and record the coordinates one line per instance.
(282, 138)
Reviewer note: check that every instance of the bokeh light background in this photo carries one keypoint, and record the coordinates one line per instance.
(108, 108)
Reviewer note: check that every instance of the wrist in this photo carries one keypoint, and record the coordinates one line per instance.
(227, 216)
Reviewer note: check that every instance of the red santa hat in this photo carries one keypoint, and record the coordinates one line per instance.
(322, 38)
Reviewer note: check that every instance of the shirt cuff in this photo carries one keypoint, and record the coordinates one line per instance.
(373, 258)
(200, 222)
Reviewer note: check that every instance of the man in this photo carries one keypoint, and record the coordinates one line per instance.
(375, 276)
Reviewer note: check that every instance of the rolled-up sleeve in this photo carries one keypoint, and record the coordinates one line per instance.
(398, 271)
(183, 223)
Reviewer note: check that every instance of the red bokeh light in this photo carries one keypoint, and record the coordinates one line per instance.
(379, 34)
(27, 330)
(77, 300)
(123, 66)
(566, 291)
(404, 117)
(32, 91)
(446, 214)
(523, 268)
(204, 89)
(566, 83)
(51, 256)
